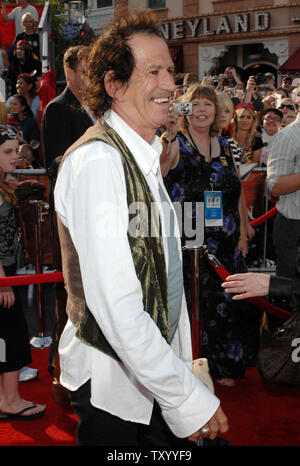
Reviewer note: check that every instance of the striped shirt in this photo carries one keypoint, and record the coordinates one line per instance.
(284, 159)
(236, 152)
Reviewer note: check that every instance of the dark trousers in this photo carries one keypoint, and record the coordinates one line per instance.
(100, 428)
(286, 233)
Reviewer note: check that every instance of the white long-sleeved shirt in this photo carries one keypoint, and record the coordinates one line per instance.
(90, 199)
(284, 159)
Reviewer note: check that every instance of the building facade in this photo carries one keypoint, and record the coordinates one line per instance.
(206, 36)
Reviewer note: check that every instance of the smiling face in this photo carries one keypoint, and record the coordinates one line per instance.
(271, 123)
(9, 155)
(16, 106)
(28, 25)
(204, 112)
(244, 119)
(143, 102)
(22, 87)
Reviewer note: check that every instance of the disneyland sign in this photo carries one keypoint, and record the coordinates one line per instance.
(214, 25)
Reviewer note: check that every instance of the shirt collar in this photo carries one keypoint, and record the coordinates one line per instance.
(265, 136)
(146, 155)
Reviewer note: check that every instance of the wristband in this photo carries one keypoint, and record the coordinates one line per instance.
(166, 140)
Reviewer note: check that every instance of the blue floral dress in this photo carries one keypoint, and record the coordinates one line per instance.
(186, 184)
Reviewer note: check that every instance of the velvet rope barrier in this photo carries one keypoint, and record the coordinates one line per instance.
(264, 217)
(257, 301)
(20, 280)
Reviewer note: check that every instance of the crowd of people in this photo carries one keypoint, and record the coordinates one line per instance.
(21, 71)
(122, 346)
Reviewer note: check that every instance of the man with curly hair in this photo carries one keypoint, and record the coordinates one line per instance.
(64, 121)
(126, 349)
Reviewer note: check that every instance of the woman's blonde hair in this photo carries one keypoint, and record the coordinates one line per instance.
(224, 101)
(27, 16)
(288, 101)
(252, 132)
(189, 79)
(196, 91)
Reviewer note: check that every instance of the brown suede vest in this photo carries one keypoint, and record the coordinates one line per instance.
(147, 252)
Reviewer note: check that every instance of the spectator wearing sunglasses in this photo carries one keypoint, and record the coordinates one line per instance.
(286, 106)
(288, 118)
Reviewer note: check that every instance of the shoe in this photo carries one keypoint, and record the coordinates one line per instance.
(227, 382)
(27, 373)
(20, 415)
(40, 342)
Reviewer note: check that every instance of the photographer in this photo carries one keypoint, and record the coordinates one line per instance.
(252, 95)
(232, 77)
(269, 81)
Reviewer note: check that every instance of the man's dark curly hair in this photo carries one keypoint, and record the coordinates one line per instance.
(111, 51)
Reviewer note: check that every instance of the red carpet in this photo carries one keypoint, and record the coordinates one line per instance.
(260, 413)
(56, 428)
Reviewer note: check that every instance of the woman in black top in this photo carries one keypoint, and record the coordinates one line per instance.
(29, 34)
(23, 115)
(14, 339)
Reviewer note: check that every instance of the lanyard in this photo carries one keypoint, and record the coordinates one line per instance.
(207, 158)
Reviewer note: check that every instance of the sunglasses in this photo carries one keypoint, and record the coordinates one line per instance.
(290, 107)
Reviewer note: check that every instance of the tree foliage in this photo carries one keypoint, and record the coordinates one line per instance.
(59, 19)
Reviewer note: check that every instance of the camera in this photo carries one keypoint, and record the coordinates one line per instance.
(230, 90)
(215, 80)
(259, 79)
(183, 108)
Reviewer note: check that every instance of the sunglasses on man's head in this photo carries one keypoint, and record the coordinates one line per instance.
(290, 107)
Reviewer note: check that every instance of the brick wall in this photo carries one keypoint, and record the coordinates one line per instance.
(190, 7)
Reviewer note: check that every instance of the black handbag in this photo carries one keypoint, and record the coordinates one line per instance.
(280, 361)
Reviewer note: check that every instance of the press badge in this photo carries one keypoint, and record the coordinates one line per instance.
(213, 208)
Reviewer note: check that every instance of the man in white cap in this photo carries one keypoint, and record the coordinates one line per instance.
(270, 80)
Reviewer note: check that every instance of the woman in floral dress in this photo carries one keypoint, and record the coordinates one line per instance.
(194, 161)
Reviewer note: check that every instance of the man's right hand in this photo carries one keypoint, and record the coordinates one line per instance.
(218, 423)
